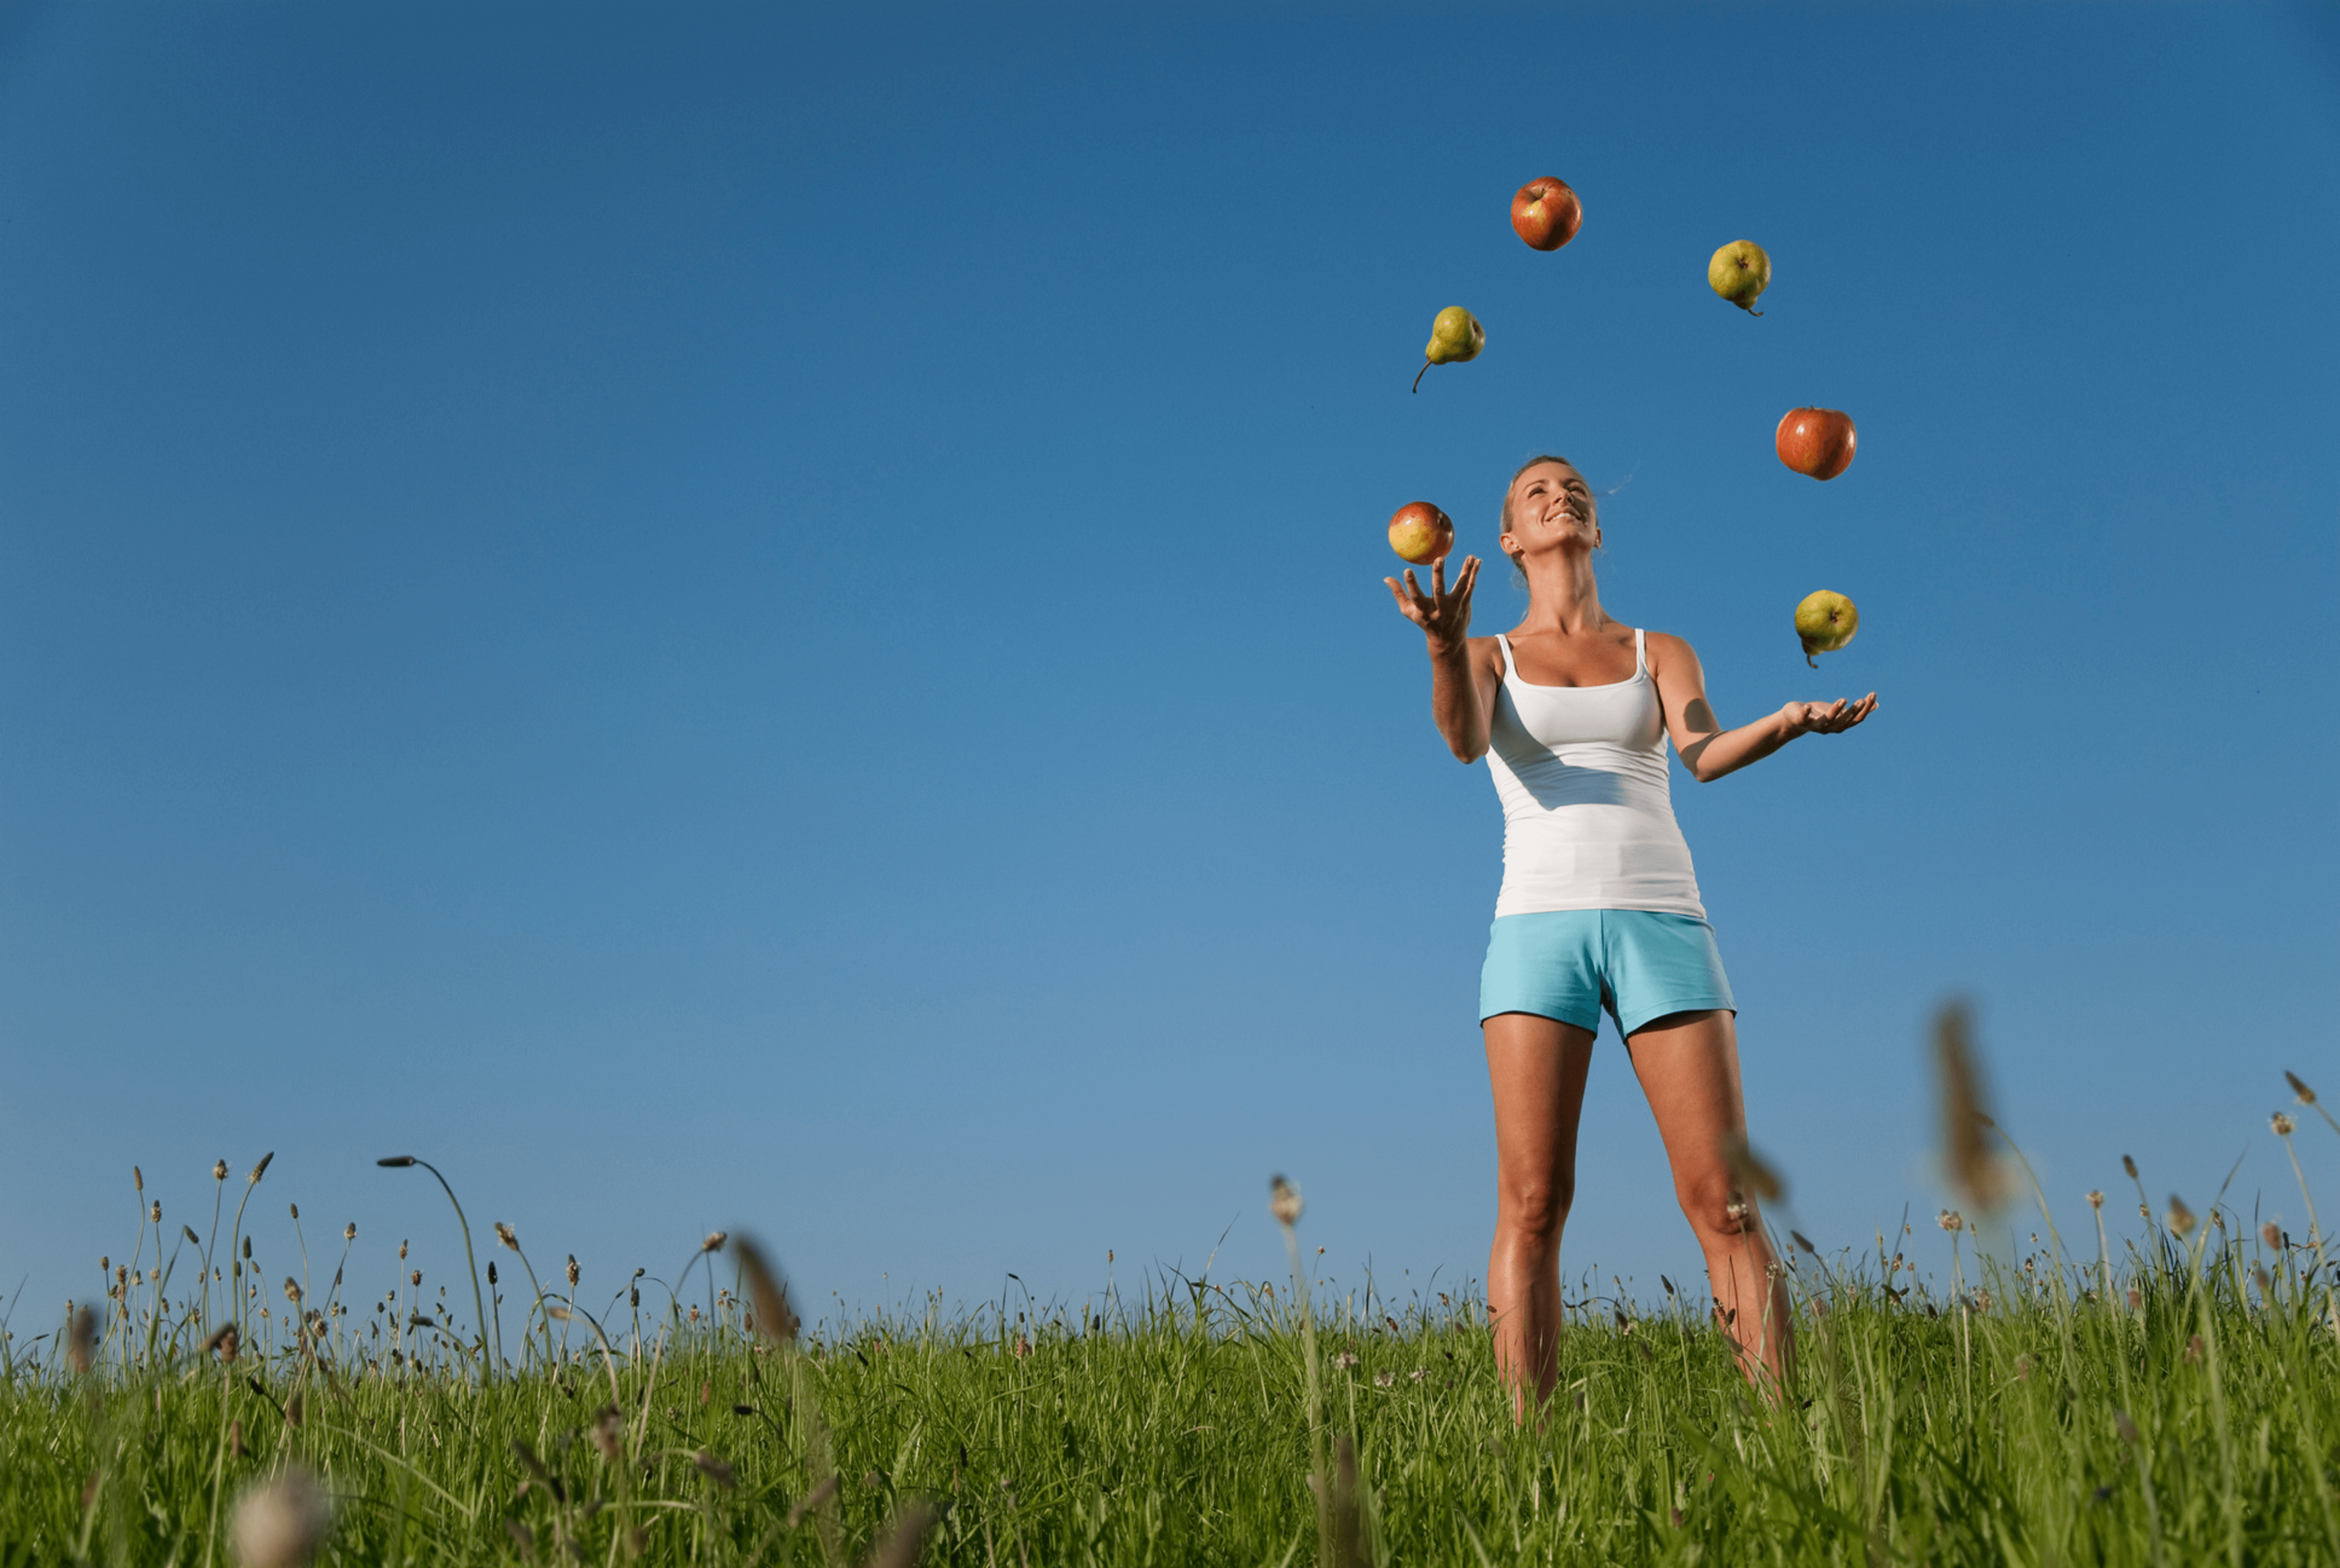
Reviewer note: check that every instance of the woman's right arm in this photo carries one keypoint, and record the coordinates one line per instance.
(1461, 704)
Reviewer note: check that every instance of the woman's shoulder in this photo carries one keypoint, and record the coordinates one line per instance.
(1665, 646)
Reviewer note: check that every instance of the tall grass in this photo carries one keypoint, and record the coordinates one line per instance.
(2168, 1397)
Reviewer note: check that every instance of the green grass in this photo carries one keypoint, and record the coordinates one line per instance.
(2056, 1422)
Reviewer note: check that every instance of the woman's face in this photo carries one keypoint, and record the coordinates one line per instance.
(1550, 508)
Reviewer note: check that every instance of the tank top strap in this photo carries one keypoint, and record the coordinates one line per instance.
(1510, 670)
(1640, 652)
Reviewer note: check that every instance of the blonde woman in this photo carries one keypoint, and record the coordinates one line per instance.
(1599, 909)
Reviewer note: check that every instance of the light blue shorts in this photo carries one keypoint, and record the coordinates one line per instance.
(1574, 965)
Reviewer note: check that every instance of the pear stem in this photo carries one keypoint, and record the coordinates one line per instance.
(1419, 373)
(1811, 661)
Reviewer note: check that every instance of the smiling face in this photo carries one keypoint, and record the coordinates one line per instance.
(1549, 506)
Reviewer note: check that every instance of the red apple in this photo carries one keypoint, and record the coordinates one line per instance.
(1546, 213)
(1419, 533)
(1817, 440)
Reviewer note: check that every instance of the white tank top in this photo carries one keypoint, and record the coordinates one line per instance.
(1588, 816)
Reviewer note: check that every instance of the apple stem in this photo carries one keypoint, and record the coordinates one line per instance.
(1419, 373)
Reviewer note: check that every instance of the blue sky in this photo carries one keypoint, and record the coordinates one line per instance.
(727, 617)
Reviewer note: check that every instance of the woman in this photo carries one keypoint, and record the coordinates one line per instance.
(1598, 910)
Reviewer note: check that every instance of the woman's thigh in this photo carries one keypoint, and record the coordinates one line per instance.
(1536, 1067)
(1689, 1068)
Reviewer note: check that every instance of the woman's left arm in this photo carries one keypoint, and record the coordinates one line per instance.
(1706, 748)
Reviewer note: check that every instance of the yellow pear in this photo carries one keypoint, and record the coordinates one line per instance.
(1826, 622)
(1455, 336)
(1739, 272)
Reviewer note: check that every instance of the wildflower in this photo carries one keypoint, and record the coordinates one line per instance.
(572, 1271)
(155, 1214)
(2192, 1348)
(2181, 1219)
(350, 1231)
(1284, 1201)
(415, 1278)
(2272, 1234)
(714, 1242)
(1345, 1360)
(292, 1290)
(1950, 1219)
(1022, 1347)
(2136, 1299)
(2282, 1124)
(1417, 1374)
(2096, 1199)
(1384, 1379)
(219, 1171)
(281, 1524)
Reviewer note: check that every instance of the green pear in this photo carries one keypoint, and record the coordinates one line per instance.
(1826, 621)
(1455, 336)
(1739, 273)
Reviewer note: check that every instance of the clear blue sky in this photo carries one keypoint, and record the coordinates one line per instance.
(719, 616)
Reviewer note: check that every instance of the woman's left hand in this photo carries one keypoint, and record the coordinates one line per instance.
(1827, 717)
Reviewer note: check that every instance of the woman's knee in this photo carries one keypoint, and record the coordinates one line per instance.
(1713, 1204)
(1536, 1207)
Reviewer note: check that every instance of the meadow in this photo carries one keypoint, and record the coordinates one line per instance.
(2163, 1388)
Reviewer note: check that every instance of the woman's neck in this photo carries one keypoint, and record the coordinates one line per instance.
(1562, 595)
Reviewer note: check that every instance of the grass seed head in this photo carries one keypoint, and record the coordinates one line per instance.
(155, 1215)
(715, 1240)
(292, 1290)
(137, 1178)
(218, 1170)
(2095, 1198)
(1754, 1174)
(2272, 1235)
(2124, 1427)
(1284, 1201)
(281, 1522)
(2181, 1219)
(80, 1340)
(2307, 1096)
(572, 1271)
(715, 1470)
(2130, 1166)
(899, 1548)
(261, 1170)
(610, 1434)
(1978, 1178)
(2282, 1124)
(775, 1320)
(1951, 1219)
(504, 1234)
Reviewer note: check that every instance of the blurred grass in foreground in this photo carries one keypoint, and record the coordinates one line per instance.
(2173, 1399)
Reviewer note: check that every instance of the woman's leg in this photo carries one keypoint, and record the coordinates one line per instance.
(1537, 1068)
(1688, 1066)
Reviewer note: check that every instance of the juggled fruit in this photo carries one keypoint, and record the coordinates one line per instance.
(1546, 213)
(1826, 622)
(1816, 441)
(1419, 533)
(1455, 336)
(1740, 272)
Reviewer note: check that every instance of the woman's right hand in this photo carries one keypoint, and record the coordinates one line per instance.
(1442, 614)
